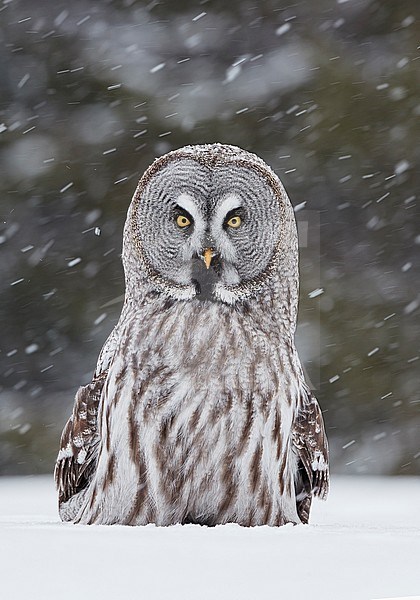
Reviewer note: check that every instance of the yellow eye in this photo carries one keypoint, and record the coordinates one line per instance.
(182, 221)
(234, 222)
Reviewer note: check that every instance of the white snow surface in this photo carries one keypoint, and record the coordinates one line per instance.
(362, 544)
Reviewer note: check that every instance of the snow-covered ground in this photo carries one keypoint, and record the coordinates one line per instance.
(363, 543)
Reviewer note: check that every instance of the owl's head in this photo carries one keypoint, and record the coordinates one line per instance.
(211, 222)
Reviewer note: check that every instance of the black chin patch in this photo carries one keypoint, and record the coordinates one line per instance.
(205, 279)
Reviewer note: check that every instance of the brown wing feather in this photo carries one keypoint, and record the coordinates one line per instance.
(311, 448)
(79, 442)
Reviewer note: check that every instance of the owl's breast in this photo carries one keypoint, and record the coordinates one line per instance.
(201, 420)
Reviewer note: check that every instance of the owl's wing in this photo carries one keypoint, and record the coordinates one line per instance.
(76, 459)
(309, 443)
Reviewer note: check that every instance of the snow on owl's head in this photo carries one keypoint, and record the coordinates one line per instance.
(211, 222)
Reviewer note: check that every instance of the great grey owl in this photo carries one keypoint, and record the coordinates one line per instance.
(198, 411)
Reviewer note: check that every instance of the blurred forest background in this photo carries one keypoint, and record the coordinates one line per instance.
(327, 92)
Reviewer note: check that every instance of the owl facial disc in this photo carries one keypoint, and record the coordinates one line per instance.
(215, 202)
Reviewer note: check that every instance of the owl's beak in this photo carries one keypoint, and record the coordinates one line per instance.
(207, 257)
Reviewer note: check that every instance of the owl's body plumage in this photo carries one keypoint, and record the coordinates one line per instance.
(198, 411)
